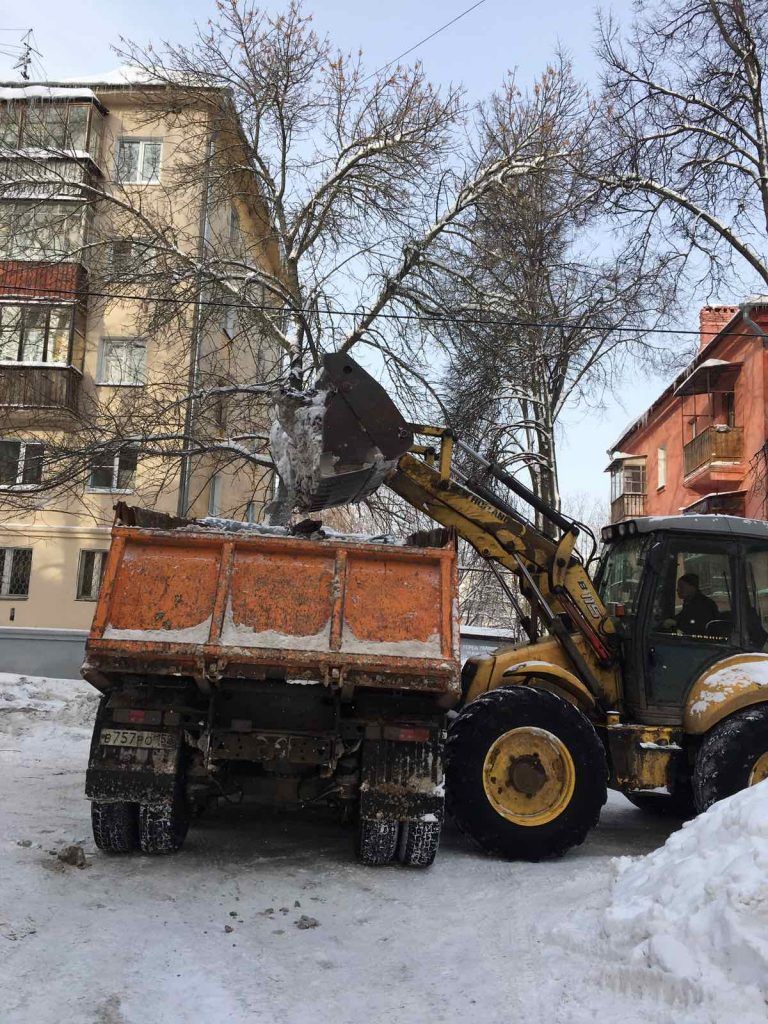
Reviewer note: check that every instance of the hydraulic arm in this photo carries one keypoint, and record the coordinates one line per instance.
(360, 439)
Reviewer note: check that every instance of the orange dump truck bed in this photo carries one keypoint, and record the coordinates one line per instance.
(209, 604)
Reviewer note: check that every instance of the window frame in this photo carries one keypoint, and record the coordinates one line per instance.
(21, 464)
(49, 308)
(79, 595)
(141, 141)
(15, 597)
(113, 488)
(107, 340)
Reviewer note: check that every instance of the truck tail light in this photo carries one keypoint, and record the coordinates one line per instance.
(406, 733)
(136, 715)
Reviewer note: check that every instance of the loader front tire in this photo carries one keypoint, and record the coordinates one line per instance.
(115, 826)
(377, 840)
(732, 756)
(526, 774)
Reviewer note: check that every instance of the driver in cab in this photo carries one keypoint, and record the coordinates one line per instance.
(697, 611)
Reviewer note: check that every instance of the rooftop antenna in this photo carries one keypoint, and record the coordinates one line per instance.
(28, 51)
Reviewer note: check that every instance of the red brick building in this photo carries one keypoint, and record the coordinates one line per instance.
(700, 447)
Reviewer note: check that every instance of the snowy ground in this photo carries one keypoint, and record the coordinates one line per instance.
(211, 935)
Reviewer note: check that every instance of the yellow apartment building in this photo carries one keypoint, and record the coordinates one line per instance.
(79, 357)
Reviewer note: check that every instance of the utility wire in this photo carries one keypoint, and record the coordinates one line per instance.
(426, 39)
(478, 321)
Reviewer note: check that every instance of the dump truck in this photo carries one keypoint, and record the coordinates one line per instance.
(649, 676)
(282, 667)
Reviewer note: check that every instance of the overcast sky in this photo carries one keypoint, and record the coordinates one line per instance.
(74, 38)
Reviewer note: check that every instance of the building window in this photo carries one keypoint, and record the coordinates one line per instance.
(661, 471)
(21, 463)
(48, 126)
(229, 321)
(115, 472)
(628, 479)
(35, 333)
(41, 230)
(138, 161)
(89, 573)
(15, 569)
(122, 361)
(234, 228)
(213, 496)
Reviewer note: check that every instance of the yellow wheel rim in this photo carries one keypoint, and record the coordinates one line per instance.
(759, 770)
(529, 776)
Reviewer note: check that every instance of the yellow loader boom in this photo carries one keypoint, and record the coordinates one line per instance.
(357, 439)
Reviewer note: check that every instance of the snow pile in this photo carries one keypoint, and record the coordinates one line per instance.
(27, 701)
(697, 909)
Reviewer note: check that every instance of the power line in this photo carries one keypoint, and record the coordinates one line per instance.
(479, 321)
(426, 39)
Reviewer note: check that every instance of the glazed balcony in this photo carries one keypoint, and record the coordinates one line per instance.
(713, 459)
(627, 506)
(39, 387)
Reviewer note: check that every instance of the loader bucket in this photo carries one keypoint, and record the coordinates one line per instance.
(336, 444)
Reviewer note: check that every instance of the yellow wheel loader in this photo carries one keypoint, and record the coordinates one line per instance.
(650, 678)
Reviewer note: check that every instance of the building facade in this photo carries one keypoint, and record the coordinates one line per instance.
(701, 446)
(73, 356)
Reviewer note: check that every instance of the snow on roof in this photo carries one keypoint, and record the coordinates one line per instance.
(45, 92)
(126, 74)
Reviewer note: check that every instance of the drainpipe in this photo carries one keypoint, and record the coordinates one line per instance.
(746, 308)
(190, 416)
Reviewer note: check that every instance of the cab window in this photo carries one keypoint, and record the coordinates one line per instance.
(694, 595)
(756, 616)
(620, 573)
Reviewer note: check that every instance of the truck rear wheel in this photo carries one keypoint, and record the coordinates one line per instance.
(163, 827)
(419, 842)
(526, 773)
(115, 826)
(732, 756)
(377, 840)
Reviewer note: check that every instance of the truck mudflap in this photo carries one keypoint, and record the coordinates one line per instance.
(133, 763)
(401, 778)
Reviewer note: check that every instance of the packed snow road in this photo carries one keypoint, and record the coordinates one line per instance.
(271, 920)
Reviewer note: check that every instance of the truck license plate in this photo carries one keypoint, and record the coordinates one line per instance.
(133, 738)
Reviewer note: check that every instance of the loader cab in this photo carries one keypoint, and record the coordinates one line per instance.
(686, 591)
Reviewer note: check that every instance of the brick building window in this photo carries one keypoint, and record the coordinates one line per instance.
(21, 463)
(15, 570)
(89, 573)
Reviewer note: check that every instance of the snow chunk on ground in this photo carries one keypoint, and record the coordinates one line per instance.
(697, 908)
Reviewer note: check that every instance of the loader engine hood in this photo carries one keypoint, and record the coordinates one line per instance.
(335, 445)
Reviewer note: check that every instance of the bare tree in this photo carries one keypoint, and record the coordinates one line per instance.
(551, 313)
(684, 146)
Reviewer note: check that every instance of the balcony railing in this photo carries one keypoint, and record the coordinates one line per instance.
(712, 445)
(39, 387)
(627, 506)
